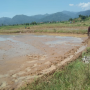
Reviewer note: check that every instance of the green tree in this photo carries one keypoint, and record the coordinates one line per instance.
(83, 17)
(33, 23)
(70, 19)
(27, 23)
(80, 15)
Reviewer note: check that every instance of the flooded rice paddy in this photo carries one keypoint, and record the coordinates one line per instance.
(24, 57)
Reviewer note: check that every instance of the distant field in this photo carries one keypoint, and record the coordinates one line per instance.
(60, 27)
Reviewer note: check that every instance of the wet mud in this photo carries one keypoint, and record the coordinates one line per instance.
(26, 57)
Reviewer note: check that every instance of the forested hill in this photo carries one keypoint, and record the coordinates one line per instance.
(59, 16)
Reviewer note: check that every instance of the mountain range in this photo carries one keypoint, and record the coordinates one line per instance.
(59, 16)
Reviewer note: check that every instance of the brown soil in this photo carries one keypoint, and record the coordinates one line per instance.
(33, 56)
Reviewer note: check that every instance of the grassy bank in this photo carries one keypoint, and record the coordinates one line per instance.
(75, 76)
(62, 31)
(45, 31)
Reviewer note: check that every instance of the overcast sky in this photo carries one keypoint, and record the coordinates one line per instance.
(10, 8)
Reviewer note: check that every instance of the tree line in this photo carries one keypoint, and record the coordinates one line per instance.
(80, 16)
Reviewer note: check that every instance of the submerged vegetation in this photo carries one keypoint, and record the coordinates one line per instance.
(75, 76)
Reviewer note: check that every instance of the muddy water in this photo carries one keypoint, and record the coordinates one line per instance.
(23, 57)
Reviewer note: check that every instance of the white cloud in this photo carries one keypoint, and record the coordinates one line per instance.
(84, 6)
(71, 4)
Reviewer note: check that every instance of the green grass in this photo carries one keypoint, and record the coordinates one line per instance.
(63, 31)
(50, 27)
(11, 27)
(75, 76)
